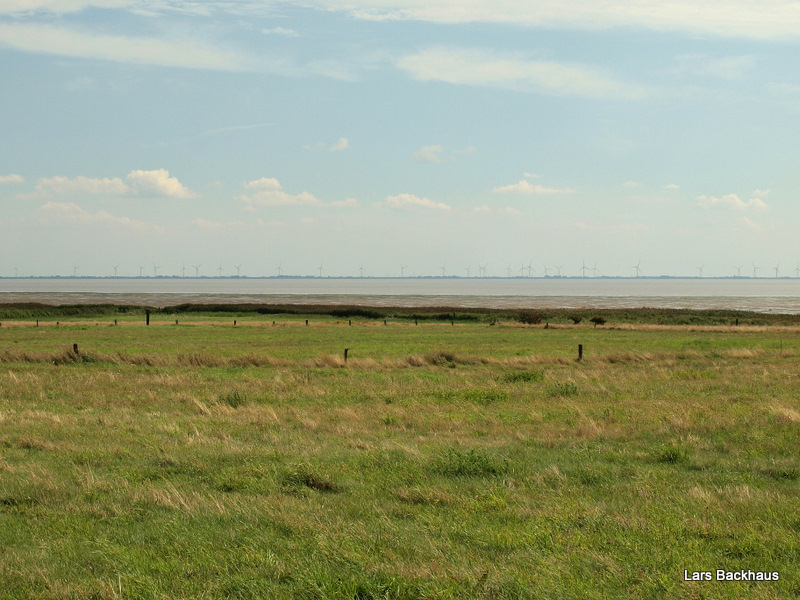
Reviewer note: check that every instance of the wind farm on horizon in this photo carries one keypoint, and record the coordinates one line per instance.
(470, 272)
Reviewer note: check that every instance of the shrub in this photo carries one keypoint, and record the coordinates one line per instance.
(598, 320)
(672, 455)
(530, 317)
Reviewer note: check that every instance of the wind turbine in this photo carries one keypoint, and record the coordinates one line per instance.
(238, 268)
(546, 272)
(738, 270)
(594, 270)
(584, 268)
(115, 267)
(797, 270)
(755, 270)
(402, 270)
(700, 268)
(280, 271)
(197, 270)
(75, 271)
(636, 267)
(467, 270)
(183, 270)
(483, 269)
(155, 270)
(443, 270)
(219, 269)
(508, 271)
(776, 270)
(529, 268)
(558, 269)
(319, 270)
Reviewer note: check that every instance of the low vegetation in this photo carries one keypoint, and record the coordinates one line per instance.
(472, 460)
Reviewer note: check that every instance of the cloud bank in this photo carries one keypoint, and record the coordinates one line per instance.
(485, 68)
(156, 183)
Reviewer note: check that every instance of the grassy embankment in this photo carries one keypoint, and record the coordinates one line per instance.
(442, 461)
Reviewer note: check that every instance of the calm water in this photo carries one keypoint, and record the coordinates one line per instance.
(763, 295)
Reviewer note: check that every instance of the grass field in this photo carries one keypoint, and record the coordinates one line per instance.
(477, 459)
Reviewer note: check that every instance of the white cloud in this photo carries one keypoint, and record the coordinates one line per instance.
(58, 6)
(737, 18)
(342, 144)
(631, 184)
(410, 201)
(484, 68)
(429, 154)
(191, 54)
(59, 185)
(156, 183)
(733, 202)
(281, 31)
(751, 225)
(526, 187)
(12, 178)
(672, 186)
(69, 212)
(268, 191)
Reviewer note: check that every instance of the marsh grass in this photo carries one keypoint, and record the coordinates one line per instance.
(465, 461)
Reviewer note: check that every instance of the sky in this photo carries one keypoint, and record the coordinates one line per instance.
(389, 137)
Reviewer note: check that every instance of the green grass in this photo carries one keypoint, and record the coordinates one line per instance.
(470, 461)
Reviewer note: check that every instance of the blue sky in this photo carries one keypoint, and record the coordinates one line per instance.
(380, 133)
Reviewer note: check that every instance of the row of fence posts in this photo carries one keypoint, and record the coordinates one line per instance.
(346, 350)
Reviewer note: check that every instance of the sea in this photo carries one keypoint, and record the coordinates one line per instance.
(778, 295)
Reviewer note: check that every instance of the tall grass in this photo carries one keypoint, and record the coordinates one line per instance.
(439, 461)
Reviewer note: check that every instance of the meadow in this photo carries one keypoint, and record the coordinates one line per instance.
(469, 456)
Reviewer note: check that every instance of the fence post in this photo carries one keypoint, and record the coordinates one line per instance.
(580, 352)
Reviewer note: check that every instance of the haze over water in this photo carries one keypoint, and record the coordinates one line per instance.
(761, 295)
